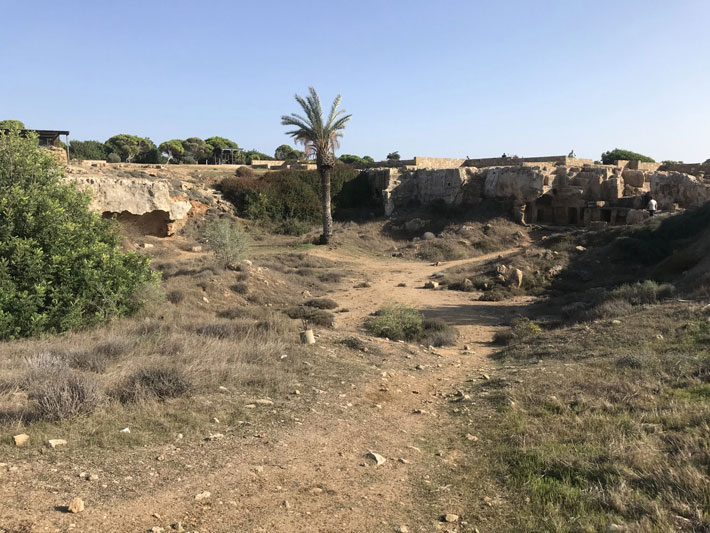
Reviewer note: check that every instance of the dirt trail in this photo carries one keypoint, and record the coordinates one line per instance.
(313, 476)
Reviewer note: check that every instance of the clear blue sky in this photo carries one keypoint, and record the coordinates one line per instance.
(448, 78)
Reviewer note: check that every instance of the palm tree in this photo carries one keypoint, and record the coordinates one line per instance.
(319, 137)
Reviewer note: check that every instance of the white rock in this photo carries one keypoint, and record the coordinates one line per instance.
(202, 496)
(379, 460)
(53, 443)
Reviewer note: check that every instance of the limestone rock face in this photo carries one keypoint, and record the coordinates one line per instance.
(670, 188)
(522, 184)
(132, 198)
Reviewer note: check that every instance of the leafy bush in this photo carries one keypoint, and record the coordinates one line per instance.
(61, 266)
(159, 383)
(396, 322)
(228, 241)
(113, 157)
(66, 395)
(87, 150)
(611, 157)
(287, 195)
(521, 329)
(244, 172)
(646, 292)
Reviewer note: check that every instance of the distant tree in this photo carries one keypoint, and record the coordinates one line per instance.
(350, 159)
(173, 149)
(319, 135)
(87, 150)
(198, 149)
(671, 162)
(113, 157)
(130, 148)
(10, 124)
(286, 153)
(393, 156)
(221, 142)
(617, 154)
(250, 155)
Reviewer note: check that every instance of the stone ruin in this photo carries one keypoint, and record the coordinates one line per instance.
(554, 190)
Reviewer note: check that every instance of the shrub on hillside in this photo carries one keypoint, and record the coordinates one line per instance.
(244, 172)
(645, 292)
(61, 266)
(113, 157)
(288, 195)
(399, 322)
(158, 383)
(228, 241)
(66, 395)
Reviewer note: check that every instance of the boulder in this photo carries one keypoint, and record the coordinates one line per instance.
(634, 178)
(670, 188)
(428, 236)
(523, 184)
(515, 277)
(636, 216)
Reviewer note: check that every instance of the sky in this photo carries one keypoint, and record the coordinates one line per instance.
(438, 79)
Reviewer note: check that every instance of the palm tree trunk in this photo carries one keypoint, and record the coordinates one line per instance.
(325, 193)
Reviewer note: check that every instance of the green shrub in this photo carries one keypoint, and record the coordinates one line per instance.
(287, 195)
(61, 266)
(611, 157)
(228, 241)
(521, 329)
(645, 292)
(113, 157)
(159, 383)
(396, 322)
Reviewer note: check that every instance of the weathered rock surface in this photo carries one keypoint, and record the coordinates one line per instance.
(670, 188)
(522, 184)
(147, 204)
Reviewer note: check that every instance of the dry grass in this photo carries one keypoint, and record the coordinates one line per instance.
(608, 425)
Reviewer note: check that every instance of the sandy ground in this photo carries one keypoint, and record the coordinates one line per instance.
(312, 476)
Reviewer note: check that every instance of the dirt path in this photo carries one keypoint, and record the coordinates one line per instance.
(313, 476)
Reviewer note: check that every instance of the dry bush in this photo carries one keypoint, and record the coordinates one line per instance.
(66, 395)
(113, 348)
(240, 288)
(176, 296)
(436, 332)
(354, 343)
(610, 309)
(45, 364)
(443, 250)
(90, 361)
(244, 172)
(322, 303)
(156, 382)
(316, 317)
(331, 277)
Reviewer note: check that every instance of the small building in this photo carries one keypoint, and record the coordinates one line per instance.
(49, 138)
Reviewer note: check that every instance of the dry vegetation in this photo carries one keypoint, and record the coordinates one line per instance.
(602, 425)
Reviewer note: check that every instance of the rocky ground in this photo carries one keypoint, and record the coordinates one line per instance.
(363, 454)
